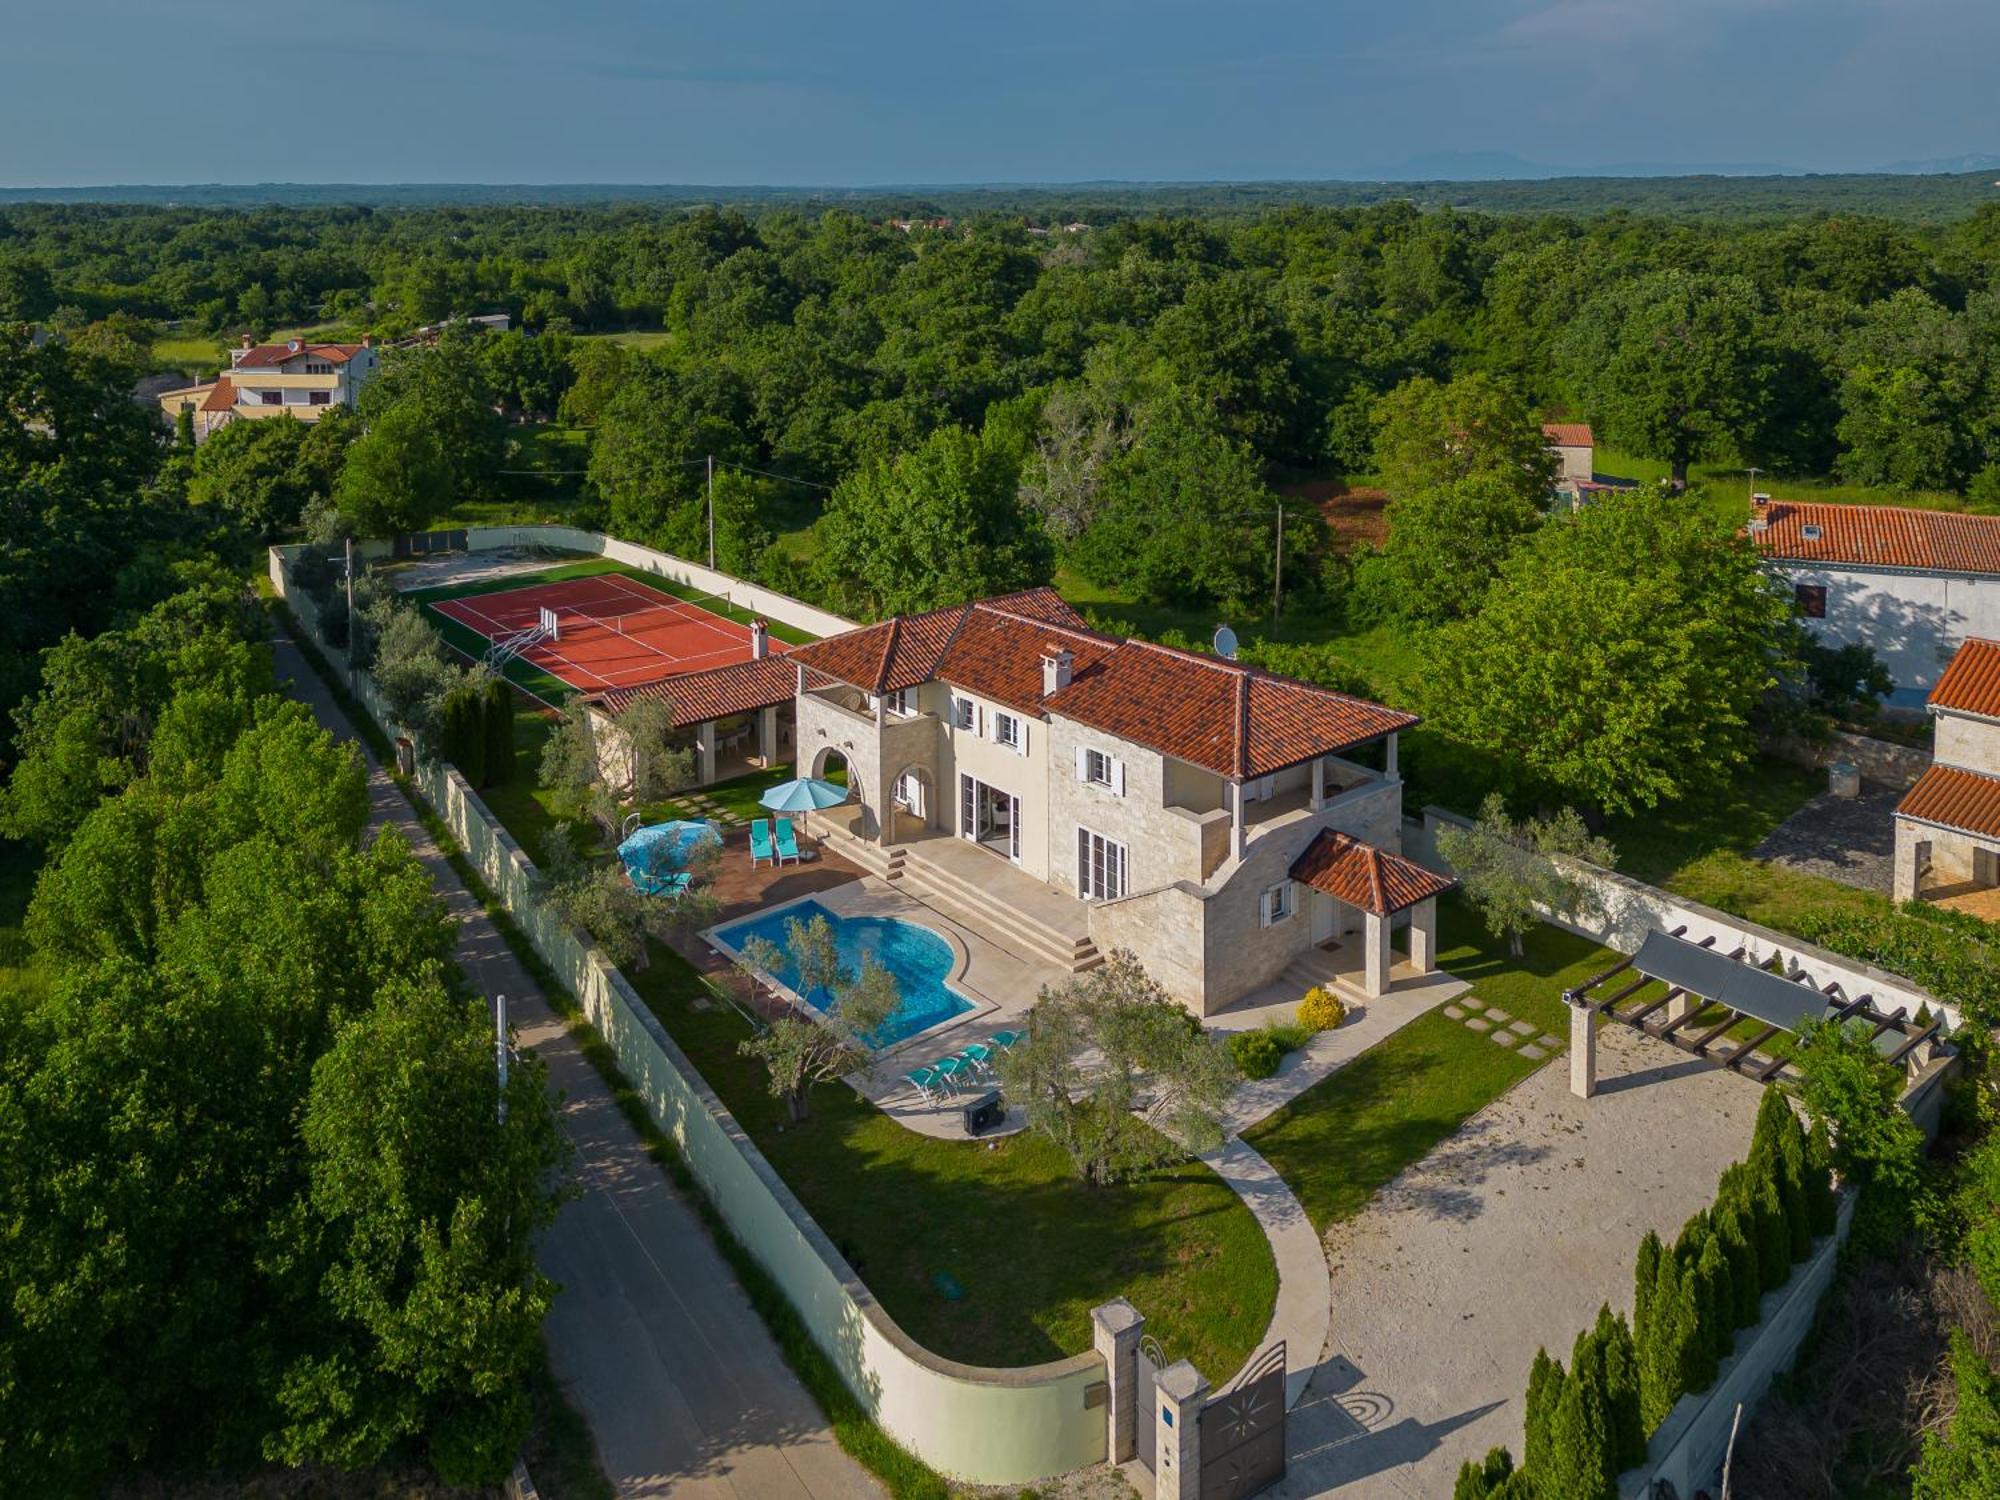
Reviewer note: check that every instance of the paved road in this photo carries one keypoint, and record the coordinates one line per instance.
(651, 1336)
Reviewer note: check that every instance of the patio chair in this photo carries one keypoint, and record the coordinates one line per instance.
(1005, 1040)
(950, 1071)
(650, 884)
(760, 842)
(788, 841)
(980, 1056)
(925, 1081)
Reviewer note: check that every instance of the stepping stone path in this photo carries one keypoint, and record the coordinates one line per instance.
(707, 807)
(1501, 1028)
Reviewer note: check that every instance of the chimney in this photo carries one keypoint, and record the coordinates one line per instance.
(1058, 664)
(368, 341)
(760, 640)
(249, 342)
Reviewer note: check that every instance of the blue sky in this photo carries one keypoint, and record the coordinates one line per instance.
(752, 91)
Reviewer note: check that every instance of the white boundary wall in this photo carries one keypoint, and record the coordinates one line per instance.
(1632, 909)
(988, 1426)
(769, 602)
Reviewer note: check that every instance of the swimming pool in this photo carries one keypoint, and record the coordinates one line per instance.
(920, 960)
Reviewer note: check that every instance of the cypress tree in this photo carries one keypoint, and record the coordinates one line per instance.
(1621, 1389)
(1732, 1234)
(1718, 1305)
(1644, 1274)
(1545, 1385)
(1482, 1480)
(1774, 1236)
(497, 709)
(1659, 1348)
(1777, 1151)
(1693, 1356)
(1822, 1206)
(1579, 1463)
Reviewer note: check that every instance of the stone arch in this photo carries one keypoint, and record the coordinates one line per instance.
(832, 759)
(913, 793)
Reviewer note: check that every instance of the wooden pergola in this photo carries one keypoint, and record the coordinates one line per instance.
(1754, 998)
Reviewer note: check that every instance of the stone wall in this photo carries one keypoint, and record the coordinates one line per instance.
(985, 1426)
(1967, 741)
(1632, 909)
(1955, 858)
(1877, 760)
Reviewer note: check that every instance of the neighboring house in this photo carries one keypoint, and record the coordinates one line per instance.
(1074, 792)
(1575, 451)
(269, 380)
(1948, 825)
(1911, 584)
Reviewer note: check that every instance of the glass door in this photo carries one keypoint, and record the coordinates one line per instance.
(1100, 867)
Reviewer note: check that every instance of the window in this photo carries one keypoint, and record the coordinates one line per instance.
(965, 714)
(1811, 599)
(1276, 903)
(319, 368)
(272, 398)
(1101, 868)
(318, 398)
(902, 703)
(1008, 730)
(1097, 767)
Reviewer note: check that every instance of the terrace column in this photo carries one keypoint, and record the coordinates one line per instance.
(1116, 1328)
(1319, 783)
(1682, 1006)
(1238, 834)
(1582, 1045)
(1389, 761)
(1423, 935)
(704, 744)
(767, 735)
(1181, 1392)
(1375, 974)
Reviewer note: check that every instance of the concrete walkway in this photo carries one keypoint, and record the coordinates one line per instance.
(1303, 1313)
(652, 1338)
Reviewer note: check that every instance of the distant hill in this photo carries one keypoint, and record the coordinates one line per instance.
(1924, 195)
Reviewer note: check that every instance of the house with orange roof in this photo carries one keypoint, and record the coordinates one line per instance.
(1910, 584)
(1070, 792)
(294, 378)
(1948, 824)
(1575, 451)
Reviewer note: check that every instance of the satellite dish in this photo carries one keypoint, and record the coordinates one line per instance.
(1225, 642)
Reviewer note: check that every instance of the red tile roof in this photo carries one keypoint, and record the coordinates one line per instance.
(904, 651)
(264, 355)
(695, 697)
(1568, 434)
(1951, 798)
(221, 397)
(1882, 536)
(1351, 870)
(1971, 684)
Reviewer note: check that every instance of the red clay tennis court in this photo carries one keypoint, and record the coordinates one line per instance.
(611, 631)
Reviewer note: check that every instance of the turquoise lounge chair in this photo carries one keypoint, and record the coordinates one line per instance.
(788, 842)
(1005, 1040)
(925, 1082)
(760, 842)
(980, 1056)
(950, 1071)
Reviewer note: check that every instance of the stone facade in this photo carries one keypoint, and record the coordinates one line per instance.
(1928, 856)
(1966, 741)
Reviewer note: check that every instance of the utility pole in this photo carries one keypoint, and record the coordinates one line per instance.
(500, 1049)
(1278, 573)
(711, 512)
(350, 614)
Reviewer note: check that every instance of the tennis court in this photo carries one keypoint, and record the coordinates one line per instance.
(608, 630)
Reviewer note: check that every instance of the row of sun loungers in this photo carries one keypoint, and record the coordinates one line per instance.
(971, 1067)
(773, 842)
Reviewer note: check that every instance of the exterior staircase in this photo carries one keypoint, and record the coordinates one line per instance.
(1318, 967)
(1008, 926)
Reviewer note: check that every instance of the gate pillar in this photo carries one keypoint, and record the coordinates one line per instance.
(1116, 1328)
(1582, 1046)
(1181, 1392)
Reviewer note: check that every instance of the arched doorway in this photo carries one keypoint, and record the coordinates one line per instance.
(831, 765)
(913, 795)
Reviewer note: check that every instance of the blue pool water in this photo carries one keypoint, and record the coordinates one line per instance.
(920, 960)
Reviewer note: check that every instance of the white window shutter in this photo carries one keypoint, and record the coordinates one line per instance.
(1082, 764)
(1263, 908)
(1021, 736)
(1118, 777)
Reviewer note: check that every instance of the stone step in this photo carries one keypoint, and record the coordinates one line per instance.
(995, 920)
(935, 876)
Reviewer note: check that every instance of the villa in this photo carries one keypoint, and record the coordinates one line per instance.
(1071, 792)
(294, 378)
(1948, 825)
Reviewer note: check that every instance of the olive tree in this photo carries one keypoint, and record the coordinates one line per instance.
(803, 1048)
(1511, 873)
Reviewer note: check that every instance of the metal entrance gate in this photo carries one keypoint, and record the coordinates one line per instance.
(1146, 1434)
(1243, 1431)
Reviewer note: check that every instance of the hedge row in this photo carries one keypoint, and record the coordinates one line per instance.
(1587, 1425)
(477, 732)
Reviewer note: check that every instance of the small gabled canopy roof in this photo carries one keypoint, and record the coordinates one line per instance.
(1948, 797)
(1971, 684)
(1355, 871)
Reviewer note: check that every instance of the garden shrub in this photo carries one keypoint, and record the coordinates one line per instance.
(1321, 1010)
(498, 710)
(1259, 1053)
(1949, 953)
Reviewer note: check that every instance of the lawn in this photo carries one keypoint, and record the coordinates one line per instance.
(194, 355)
(738, 796)
(1727, 486)
(644, 339)
(1027, 1246)
(1347, 1137)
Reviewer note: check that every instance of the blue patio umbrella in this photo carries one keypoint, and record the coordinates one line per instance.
(805, 794)
(666, 846)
